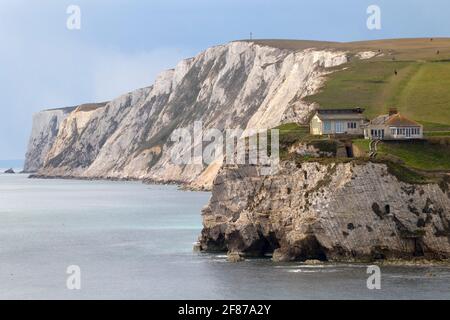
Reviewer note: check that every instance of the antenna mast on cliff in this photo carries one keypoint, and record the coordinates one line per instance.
(251, 35)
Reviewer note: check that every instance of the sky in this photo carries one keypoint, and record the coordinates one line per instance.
(123, 44)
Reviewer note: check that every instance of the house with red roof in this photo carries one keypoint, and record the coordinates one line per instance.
(393, 126)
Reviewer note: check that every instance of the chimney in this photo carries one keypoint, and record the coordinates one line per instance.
(392, 111)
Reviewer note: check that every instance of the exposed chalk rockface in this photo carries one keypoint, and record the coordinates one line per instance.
(238, 85)
(43, 134)
(339, 211)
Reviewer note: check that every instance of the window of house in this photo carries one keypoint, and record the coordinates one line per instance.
(351, 125)
(327, 126)
(340, 127)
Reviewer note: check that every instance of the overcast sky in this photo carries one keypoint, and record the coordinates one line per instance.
(123, 44)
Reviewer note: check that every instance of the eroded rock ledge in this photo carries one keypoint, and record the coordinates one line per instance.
(336, 212)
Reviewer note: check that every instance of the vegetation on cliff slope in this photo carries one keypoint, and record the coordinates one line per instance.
(424, 155)
(412, 75)
(432, 154)
(414, 162)
(293, 133)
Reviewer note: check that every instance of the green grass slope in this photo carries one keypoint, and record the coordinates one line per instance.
(419, 155)
(420, 89)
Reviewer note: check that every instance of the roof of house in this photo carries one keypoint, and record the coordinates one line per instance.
(340, 111)
(395, 120)
(380, 119)
(341, 114)
(400, 120)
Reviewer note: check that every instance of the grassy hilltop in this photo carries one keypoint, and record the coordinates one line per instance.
(420, 90)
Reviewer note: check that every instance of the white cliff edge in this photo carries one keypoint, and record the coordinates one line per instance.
(43, 135)
(238, 85)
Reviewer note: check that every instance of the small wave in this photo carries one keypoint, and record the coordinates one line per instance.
(313, 271)
(320, 266)
(302, 271)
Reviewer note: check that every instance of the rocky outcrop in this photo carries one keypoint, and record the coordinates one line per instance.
(238, 85)
(10, 171)
(354, 211)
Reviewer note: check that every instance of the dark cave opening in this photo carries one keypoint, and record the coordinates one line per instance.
(418, 248)
(311, 249)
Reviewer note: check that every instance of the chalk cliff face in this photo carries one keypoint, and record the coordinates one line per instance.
(45, 129)
(238, 85)
(340, 211)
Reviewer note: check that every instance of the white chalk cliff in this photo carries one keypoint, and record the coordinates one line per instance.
(239, 85)
(43, 134)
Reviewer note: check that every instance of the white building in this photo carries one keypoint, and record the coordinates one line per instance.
(393, 126)
(338, 121)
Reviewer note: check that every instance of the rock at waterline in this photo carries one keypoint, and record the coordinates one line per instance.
(9, 171)
(235, 257)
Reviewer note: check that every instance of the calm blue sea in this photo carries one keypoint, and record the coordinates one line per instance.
(134, 241)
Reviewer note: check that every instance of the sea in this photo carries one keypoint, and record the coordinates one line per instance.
(69, 239)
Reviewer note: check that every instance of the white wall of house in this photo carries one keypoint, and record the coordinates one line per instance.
(320, 127)
(376, 132)
(393, 133)
(315, 126)
(406, 133)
